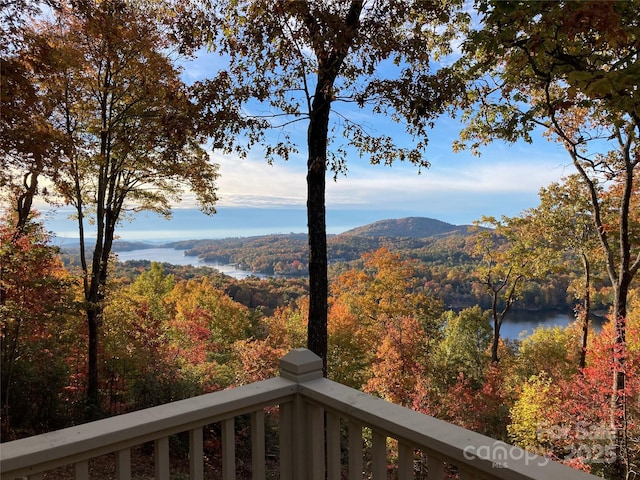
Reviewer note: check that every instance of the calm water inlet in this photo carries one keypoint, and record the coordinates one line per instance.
(517, 324)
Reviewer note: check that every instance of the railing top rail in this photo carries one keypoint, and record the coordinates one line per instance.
(41, 452)
(301, 373)
(450, 443)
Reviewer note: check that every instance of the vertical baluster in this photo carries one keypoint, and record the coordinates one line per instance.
(435, 467)
(196, 456)
(257, 445)
(355, 451)
(379, 456)
(299, 438)
(161, 458)
(333, 447)
(316, 443)
(466, 475)
(123, 464)
(81, 470)
(405, 461)
(228, 449)
(285, 432)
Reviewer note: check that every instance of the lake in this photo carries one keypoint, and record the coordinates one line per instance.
(517, 323)
(522, 322)
(177, 257)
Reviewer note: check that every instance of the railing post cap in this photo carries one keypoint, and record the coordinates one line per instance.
(301, 364)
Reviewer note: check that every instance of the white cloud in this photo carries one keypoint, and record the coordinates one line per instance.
(457, 190)
(381, 184)
(254, 182)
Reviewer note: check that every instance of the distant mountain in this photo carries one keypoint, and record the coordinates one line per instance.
(72, 245)
(412, 227)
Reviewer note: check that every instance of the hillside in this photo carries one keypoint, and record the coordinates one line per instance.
(424, 239)
(412, 227)
(440, 251)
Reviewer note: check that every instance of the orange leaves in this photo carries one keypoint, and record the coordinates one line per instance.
(350, 342)
(400, 362)
(286, 329)
(380, 323)
(34, 283)
(258, 358)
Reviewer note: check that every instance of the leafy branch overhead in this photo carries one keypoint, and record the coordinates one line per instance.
(289, 61)
(275, 60)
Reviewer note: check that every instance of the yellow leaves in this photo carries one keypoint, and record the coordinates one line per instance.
(285, 330)
(377, 319)
(351, 345)
(530, 413)
(554, 350)
(228, 321)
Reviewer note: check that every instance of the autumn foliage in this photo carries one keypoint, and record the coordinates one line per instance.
(97, 115)
(37, 329)
(169, 336)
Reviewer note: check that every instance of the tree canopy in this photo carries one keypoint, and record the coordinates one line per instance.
(569, 70)
(293, 61)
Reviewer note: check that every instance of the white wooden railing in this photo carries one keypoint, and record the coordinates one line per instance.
(311, 412)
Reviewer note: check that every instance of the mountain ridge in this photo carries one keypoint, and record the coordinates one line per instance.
(408, 227)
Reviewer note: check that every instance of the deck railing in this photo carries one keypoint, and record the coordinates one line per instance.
(313, 412)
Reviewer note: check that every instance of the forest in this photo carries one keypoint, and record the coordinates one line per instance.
(98, 116)
(172, 332)
(444, 262)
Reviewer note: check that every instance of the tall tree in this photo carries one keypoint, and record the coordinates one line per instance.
(564, 223)
(571, 69)
(505, 264)
(131, 129)
(30, 144)
(299, 60)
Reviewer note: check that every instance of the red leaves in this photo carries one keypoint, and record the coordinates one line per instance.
(400, 362)
(483, 409)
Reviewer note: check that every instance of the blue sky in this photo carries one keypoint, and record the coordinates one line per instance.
(457, 188)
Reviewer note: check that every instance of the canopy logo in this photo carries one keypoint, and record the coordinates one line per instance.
(500, 454)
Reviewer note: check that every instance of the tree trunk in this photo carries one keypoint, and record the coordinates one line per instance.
(496, 340)
(330, 61)
(25, 199)
(498, 317)
(585, 311)
(621, 275)
(95, 299)
(316, 218)
(618, 397)
(94, 315)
